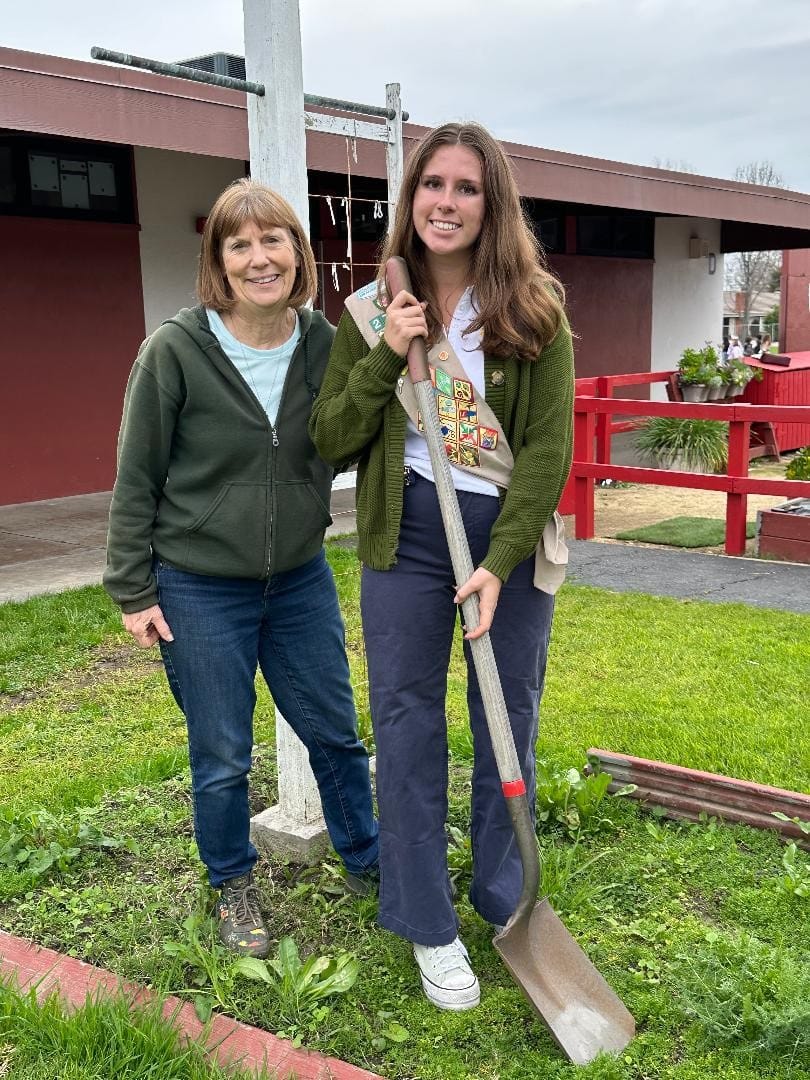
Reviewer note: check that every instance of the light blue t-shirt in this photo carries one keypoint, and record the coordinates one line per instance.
(264, 370)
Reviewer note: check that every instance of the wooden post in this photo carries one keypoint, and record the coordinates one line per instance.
(393, 149)
(278, 158)
(604, 389)
(739, 435)
(278, 149)
(584, 428)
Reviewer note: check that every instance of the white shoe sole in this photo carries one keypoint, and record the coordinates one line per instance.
(451, 1000)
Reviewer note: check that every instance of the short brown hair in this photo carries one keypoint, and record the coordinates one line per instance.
(520, 302)
(245, 200)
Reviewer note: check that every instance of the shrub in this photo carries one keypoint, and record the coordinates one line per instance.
(799, 467)
(696, 445)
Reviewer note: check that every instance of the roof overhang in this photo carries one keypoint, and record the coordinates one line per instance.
(57, 96)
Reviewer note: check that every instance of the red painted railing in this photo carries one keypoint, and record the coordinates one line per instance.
(594, 407)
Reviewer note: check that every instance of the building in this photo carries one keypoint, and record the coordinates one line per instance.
(760, 315)
(106, 173)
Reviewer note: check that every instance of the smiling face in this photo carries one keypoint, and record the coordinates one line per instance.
(448, 204)
(260, 264)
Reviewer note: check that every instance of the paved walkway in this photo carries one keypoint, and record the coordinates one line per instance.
(59, 544)
(691, 575)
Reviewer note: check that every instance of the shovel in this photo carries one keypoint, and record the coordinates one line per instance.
(582, 1012)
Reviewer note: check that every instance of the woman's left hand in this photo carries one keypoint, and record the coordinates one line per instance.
(488, 587)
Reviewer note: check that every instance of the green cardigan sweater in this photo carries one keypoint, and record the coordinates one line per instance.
(357, 417)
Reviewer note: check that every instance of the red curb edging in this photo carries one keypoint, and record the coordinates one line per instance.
(227, 1041)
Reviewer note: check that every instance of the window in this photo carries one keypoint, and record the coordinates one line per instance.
(65, 178)
(625, 235)
(8, 188)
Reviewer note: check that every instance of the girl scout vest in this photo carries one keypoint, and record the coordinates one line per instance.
(473, 437)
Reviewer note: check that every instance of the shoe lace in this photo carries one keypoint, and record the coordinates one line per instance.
(447, 958)
(244, 903)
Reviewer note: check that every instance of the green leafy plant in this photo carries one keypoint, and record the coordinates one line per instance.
(740, 374)
(570, 798)
(698, 365)
(301, 986)
(747, 996)
(387, 1031)
(37, 841)
(459, 853)
(796, 879)
(210, 967)
(696, 445)
(799, 467)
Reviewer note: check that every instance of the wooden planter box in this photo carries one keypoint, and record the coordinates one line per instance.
(783, 532)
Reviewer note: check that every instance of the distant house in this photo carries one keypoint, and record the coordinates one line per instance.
(106, 174)
(759, 315)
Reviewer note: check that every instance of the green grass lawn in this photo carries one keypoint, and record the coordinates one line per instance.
(702, 929)
(686, 532)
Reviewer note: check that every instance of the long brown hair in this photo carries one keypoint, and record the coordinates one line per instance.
(246, 200)
(520, 302)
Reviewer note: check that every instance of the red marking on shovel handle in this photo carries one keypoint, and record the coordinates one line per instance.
(512, 788)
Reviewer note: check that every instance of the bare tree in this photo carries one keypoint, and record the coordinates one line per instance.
(753, 272)
(674, 166)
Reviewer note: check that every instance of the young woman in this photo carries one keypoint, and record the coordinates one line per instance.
(481, 297)
(216, 526)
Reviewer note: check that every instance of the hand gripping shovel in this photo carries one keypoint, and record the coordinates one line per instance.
(569, 995)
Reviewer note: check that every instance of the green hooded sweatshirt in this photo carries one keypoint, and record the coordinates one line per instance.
(204, 482)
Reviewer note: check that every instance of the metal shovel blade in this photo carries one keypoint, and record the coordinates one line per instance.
(573, 1000)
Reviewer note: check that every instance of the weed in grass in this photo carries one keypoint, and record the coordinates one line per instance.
(747, 996)
(570, 883)
(459, 854)
(37, 841)
(796, 879)
(301, 986)
(571, 799)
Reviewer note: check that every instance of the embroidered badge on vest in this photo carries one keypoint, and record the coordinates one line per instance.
(458, 419)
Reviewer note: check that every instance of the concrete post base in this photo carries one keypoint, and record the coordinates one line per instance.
(294, 829)
(276, 833)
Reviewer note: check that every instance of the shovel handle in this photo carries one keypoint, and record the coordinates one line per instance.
(399, 280)
(497, 717)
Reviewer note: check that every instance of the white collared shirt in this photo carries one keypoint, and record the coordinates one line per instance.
(468, 350)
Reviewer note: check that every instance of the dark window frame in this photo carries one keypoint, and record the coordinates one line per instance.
(120, 157)
(612, 248)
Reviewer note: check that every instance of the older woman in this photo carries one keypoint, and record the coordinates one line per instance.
(215, 540)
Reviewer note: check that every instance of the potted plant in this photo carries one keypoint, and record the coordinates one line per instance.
(696, 369)
(716, 386)
(740, 375)
(692, 445)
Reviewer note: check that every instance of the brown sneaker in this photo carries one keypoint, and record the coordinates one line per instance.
(241, 926)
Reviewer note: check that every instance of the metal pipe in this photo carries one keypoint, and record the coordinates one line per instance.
(179, 71)
(183, 71)
(351, 106)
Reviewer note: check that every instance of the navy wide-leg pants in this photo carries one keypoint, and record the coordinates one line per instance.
(409, 618)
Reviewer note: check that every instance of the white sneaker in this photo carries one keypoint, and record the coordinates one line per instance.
(447, 978)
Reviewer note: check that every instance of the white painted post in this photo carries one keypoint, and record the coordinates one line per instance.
(278, 150)
(394, 159)
(278, 159)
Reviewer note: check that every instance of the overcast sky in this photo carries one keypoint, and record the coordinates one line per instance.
(701, 84)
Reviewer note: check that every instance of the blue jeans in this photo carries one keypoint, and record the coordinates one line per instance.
(291, 627)
(409, 620)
